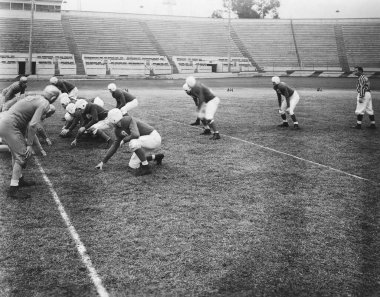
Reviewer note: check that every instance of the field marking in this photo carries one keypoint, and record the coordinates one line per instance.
(74, 234)
(282, 153)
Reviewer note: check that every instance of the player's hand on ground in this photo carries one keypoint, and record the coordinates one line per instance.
(99, 166)
(81, 130)
(29, 151)
(74, 143)
(43, 153)
(64, 132)
(121, 143)
(48, 141)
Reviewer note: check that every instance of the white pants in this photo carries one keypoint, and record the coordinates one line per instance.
(208, 110)
(147, 142)
(73, 94)
(365, 106)
(101, 125)
(293, 100)
(129, 106)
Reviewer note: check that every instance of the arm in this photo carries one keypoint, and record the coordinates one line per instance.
(35, 122)
(279, 99)
(112, 150)
(134, 132)
(94, 119)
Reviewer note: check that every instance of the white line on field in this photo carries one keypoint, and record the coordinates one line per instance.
(74, 234)
(283, 153)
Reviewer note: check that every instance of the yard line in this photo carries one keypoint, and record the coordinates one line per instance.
(74, 234)
(282, 153)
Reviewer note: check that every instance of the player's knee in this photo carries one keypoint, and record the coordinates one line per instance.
(359, 113)
(134, 145)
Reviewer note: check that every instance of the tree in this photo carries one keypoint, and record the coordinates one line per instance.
(217, 14)
(253, 9)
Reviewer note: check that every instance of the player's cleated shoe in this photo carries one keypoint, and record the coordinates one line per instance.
(24, 183)
(372, 126)
(216, 136)
(357, 126)
(196, 123)
(296, 127)
(283, 125)
(158, 159)
(15, 193)
(143, 170)
(206, 132)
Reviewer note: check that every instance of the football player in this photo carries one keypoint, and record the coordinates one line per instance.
(65, 87)
(124, 100)
(24, 117)
(141, 138)
(8, 95)
(207, 105)
(288, 104)
(363, 99)
(187, 89)
(92, 119)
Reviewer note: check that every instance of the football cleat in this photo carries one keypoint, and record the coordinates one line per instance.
(196, 123)
(216, 136)
(158, 159)
(283, 125)
(372, 126)
(144, 170)
(15, 193)
(206, 132)
(296, 127)
(23, 183)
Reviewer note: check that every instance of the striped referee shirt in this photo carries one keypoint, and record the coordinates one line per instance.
(363, 85)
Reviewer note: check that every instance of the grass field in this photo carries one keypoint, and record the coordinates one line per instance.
(264, 211)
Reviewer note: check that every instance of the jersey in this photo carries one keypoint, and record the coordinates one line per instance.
(195, 98)
(203, 93)
(363, 85)
(128, 126)
(11, 91)
(64, 86)
(122, 97)
(93, 112)
(28, 111)
(284, 90)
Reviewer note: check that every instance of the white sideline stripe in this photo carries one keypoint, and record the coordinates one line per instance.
(80, 246)
(283, 153)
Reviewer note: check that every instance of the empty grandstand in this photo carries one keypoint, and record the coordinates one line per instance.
(94, 43)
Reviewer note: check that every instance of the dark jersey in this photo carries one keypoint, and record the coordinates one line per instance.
(195, 98)
(203, 93)
(284, 90)
(93, 112)
(64, 86)
(122, 97)
(128, 127)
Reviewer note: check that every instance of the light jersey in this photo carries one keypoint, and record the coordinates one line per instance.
(64, 86)
(363, 85)
(122, 97)
(93, 111)
(284, 90)
(203, 93)
(11, 91)
(129, 126)
(28, 111)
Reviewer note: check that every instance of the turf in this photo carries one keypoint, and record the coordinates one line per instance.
(235, 217)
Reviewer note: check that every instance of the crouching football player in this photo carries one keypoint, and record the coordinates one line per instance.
(141, 138)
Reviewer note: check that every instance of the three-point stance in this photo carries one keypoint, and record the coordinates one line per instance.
(363, 100)
(18, 128)
(288, 104)
(207, 105)
(141, 137)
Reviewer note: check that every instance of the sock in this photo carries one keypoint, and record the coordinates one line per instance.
(14, 183)
(145, 163)
(293, 116)
(151, 158)
(359, 119)
(372, 119)
(283, 116)
(216, 132)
